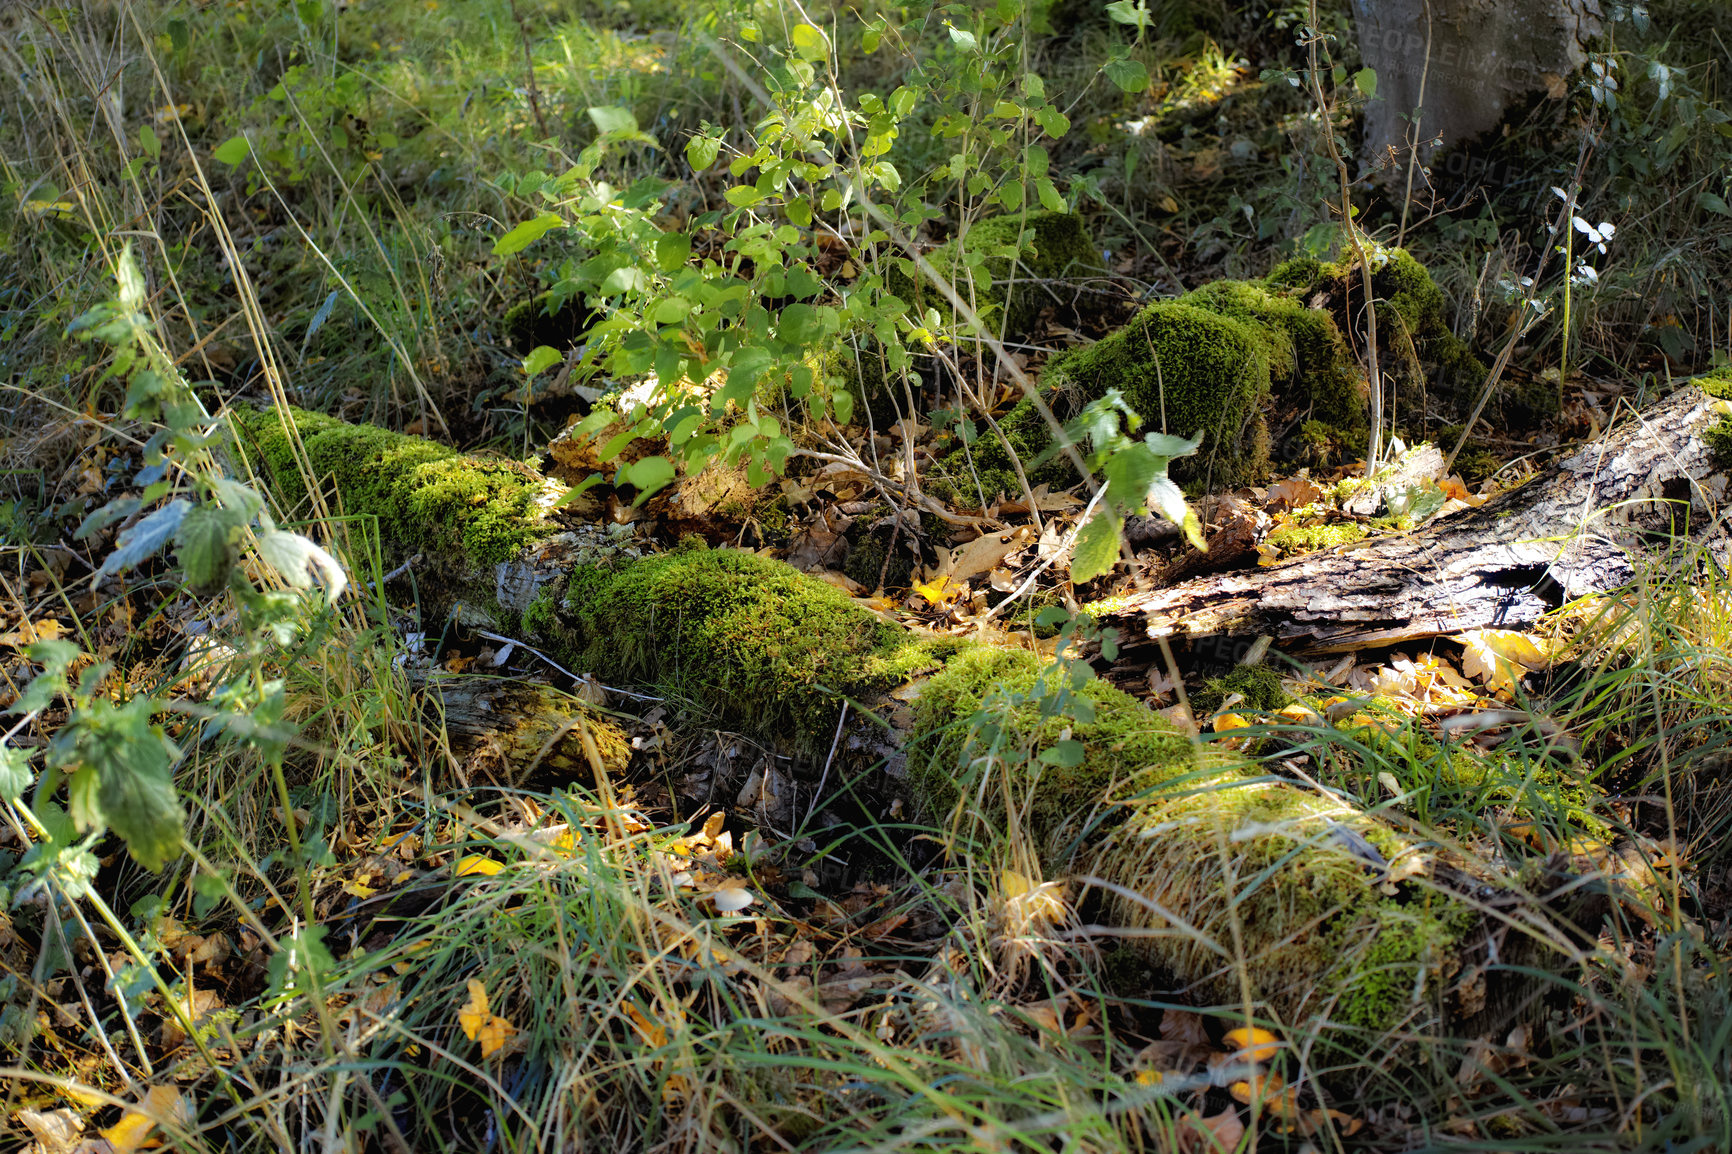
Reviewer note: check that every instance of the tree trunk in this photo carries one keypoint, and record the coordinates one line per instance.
(1462, 63)
(1577, 528)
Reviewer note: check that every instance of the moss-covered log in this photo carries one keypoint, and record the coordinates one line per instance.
(1234, 874)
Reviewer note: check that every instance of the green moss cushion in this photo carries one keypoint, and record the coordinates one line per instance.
(427, 496)
(752, 641)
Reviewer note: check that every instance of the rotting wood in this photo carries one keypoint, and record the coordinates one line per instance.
(1580, 527)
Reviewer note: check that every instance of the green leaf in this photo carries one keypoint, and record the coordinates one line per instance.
(1125, 12)
(1053, 122)
(527, 234)
(742, 196)
(701, 151)
(1049, 197)
(147, 140)
(810, 44)
(232, 151)
(15, 776)
(205, 546)
(963, 39)
(1097, 546)
(1713, 203)
(1167, 445)
(1366, 81)
(672, 250)
(648, 476)
(540, 359)
(144, 539)
(1129, 75)
(1067, 753)
(612, 118)
(123, 776)
(579, 489)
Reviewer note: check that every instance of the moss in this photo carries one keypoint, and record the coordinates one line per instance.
(1318, 936)
(1716, 382)
(1258, 686)
(1310, 365)
(425, 495)
(1291, 538)
(752, 641)
(1055, 246)
(1125, 747)
(1188, 370)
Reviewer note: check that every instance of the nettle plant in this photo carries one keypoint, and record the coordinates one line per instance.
(718, 342)
(114, 756)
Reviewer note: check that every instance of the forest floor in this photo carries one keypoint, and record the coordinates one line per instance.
(306, 844)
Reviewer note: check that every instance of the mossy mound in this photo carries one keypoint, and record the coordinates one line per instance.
(1416, 340)
(1318, 935)
(1007, 295)
(754, 642)
(1206, 856)
(1125, 747)
(1186, 370)
(1310, 365)
(427, 496)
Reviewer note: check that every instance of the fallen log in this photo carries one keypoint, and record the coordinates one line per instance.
(1240, 885)
(1580, 527)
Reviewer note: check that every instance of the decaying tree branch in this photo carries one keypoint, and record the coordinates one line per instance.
(1580, 527)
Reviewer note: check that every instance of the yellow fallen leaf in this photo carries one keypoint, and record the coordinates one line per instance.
(490, 1030)
(1499, 657)
(1036, 900)
(356, 890)
(1226, 721)
(940, 592)
(473, 1015)
(1253, 1044)
(1149, 1078)
(28, 633)
(476, 864)
(128, 1135)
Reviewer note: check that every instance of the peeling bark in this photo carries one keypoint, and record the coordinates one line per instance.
(1582, 526)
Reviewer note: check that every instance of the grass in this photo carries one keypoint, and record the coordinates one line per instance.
(302, 973)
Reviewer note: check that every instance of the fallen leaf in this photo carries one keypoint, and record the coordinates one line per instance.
(128, 1135)
(1215, 1133)
(56, 1132)
(475, 864)
(1253, 1044)
(985, 552)
(490, 1030)
(1500, 657)
(1294, 492)
(939, 592)
(29, 633)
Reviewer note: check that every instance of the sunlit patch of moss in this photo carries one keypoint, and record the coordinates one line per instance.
(756, 643)
(1058, 247)
(1316, 933)
(1125, 748)
(1310, 365)
(423, 493)
(1296, 538)
(1187, 370)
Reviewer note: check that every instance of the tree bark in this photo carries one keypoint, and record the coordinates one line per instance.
(1580, 527)
(1461, 64)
